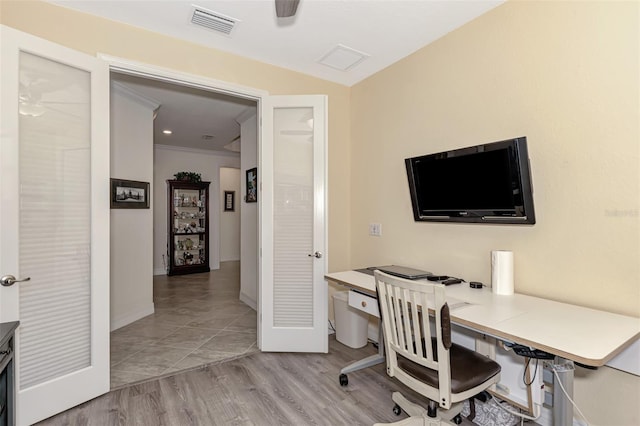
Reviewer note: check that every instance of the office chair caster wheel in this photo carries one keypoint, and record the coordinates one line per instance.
(344, 380)
(457, 419)
(397, 410)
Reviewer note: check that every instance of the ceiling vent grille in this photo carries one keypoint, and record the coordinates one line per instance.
(343, 58)
(213, 21)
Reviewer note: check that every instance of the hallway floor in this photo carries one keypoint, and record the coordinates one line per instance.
(198, 319)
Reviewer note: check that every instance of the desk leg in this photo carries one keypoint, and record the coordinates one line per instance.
(368, 361)
(562, 407)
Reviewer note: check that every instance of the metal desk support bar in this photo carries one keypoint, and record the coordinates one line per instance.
(563, 379)
(370, 360)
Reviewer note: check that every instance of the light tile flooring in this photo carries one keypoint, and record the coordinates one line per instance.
(198, 320)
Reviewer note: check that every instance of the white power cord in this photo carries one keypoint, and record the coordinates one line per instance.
(537, 416)
(558, 381)
(522, 416)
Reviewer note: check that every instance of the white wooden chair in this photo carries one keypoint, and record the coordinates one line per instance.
(422, 356)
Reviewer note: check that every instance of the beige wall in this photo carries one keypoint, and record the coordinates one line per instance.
(249, 211)
(131, 247)
(94, 35)
(564, 74)
(230, 220)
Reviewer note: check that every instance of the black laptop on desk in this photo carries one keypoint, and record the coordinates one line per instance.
(398, 271)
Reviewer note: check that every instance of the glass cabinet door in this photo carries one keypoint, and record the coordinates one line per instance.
(188, 233)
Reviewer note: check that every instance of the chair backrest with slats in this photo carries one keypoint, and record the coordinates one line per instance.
(407, 332)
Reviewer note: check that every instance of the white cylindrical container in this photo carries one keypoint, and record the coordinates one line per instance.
(351, 324)
(502, 272)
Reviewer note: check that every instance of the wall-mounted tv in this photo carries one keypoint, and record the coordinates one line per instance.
(489, 183)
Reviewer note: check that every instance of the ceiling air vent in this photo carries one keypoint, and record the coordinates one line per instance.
(343, 58)
(212, 20)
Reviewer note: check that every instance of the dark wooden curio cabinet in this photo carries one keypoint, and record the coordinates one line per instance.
(188, 227)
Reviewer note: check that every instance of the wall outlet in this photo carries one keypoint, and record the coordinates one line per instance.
(375, 229)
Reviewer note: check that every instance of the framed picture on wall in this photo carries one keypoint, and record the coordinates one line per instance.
(252, 186)
(129, 194)
(229, 201)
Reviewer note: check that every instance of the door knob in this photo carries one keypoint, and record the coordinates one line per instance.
(9, 280)
(317, 255)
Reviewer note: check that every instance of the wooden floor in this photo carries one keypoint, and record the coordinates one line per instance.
(236, 386)
(256, 389)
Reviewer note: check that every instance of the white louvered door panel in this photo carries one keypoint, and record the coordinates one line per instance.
(293, 297)
(293, 218)
(55, 222)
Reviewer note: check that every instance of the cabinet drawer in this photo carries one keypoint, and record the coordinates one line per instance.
(364, 303)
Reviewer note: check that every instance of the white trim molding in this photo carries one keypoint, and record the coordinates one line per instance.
(130, 317)
(126, 66)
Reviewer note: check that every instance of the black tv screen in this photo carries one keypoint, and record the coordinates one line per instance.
(487, 183)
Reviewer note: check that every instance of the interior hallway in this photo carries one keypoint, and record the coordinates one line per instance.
(198, 319)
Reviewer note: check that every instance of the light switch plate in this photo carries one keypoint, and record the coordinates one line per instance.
(375, 229)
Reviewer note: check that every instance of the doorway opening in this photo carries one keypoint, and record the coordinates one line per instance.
(163, 324)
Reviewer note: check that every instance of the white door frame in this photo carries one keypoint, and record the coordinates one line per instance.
(167, 75)
(125, 66)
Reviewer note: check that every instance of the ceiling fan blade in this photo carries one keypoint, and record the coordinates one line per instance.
(286, 8)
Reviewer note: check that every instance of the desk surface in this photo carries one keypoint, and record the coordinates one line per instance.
(584, 335)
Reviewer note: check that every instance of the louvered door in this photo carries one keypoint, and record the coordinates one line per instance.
(54, 220)
(293, 293)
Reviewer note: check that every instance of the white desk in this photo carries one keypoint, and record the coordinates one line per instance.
(587, 336)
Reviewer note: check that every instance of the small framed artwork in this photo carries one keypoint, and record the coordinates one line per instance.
(229, 201)
(129, 194)
(252, 186)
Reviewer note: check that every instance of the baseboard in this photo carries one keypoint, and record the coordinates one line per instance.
(127, 319)
(249, 301)
(159, 271)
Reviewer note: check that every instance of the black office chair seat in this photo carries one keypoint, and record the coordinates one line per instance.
(468, 368)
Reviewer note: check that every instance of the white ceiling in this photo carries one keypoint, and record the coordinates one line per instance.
(197, 118)
(384, 30)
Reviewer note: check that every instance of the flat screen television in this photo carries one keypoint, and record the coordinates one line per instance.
(489, 183)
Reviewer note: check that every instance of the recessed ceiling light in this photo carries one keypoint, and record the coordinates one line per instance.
(167, 132)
